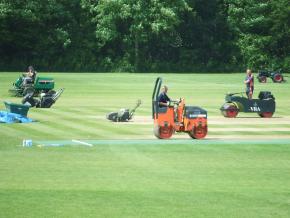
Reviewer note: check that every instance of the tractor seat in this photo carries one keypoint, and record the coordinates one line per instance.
(30, 81)
(162, 110)
(263, 95)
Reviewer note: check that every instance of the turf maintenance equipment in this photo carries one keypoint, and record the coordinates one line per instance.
(38, 86)
(264, 106)
(46, 100)
(276, 76)
(15, 113)
(177, 117)
(123, 115)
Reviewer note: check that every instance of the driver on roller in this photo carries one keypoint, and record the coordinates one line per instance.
(163, 99)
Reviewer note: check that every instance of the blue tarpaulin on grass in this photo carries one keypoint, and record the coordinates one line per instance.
(6, 117)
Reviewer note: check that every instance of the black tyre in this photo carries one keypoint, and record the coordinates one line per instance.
(262, 79)
(277, 78)
(266, 114)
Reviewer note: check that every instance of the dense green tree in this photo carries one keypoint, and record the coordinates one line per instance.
(46, 33)
(165, 35)
(139, 35)
(130, 24)
(31, 31)
(280, 34)
(262, 28)
(207, 39)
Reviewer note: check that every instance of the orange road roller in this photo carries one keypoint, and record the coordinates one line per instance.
(175, 116)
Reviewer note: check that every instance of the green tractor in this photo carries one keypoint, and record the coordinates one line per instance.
(40, 85)
(276, 76)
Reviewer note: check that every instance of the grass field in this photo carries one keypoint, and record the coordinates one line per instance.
(242, 169)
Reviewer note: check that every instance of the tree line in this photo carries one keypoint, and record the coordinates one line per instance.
(144, 35)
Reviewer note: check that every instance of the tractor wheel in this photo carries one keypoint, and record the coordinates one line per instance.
(230, 110)
(262, 79)
(277, 78)
(28, 90)
(266, 114)
(198, 132)
(163, 132)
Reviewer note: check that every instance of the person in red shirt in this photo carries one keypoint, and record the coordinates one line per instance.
(249, 81)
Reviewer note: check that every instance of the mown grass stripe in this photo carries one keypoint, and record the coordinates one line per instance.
(227, 125)
(57, 130)
(245, 133)
(9, 131)
(79, 129)
(80, 121)
(102, 129)
(123, 142)
(32, 130)
(252, 129)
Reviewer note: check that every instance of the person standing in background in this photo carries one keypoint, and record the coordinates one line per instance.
(249, 81)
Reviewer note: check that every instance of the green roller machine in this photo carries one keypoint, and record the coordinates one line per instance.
(264, 106)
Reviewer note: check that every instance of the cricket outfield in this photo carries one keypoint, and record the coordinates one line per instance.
(81, 165)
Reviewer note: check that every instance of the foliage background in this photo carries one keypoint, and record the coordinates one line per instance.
(144, 36)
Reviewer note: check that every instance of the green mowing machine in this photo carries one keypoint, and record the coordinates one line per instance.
(236, 102)
(40, 85)
(123, 115)
(45, 100)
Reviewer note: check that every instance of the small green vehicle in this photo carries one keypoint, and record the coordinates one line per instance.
(264, 106)
(40, 85)
(276, 76)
